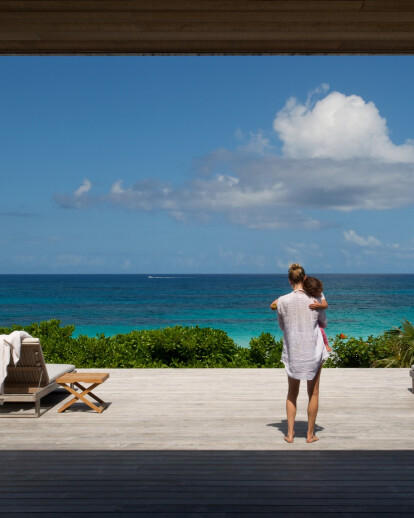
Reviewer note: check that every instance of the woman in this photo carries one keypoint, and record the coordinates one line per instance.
(303, 349)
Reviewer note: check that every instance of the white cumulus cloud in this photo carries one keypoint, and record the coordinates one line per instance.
(338, 127)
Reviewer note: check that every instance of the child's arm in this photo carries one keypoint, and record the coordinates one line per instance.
(319, 305)
(273, 305)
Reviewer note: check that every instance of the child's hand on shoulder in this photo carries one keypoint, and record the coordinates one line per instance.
(273, 305)
(315, 305)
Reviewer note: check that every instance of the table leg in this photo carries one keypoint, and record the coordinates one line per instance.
(91, 394)
(80, 396)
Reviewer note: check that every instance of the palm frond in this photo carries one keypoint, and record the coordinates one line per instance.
(402, 346)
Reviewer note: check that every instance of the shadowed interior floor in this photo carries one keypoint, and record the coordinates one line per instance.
(207, 483)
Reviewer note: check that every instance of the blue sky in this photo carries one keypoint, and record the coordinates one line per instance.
(207, 164)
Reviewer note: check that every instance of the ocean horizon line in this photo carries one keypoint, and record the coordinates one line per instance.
(171, 275)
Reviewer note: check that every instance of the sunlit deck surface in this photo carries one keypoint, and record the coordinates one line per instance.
(209, 442)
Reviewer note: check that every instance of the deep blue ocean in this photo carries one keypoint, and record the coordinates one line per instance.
(359, 305)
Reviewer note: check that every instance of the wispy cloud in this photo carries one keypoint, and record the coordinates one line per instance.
(19, 214)
(297, 252)
(76, 260)
(337, 155)
(311, 249)
(257, 143)
(84, 188)
(364, 248)
(126, 265)
(352, 237)
(79, 199)
(234, 258)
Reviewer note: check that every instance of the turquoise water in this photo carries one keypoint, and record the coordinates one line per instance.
(359, 305)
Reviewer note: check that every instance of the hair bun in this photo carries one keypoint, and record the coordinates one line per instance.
(296, 273)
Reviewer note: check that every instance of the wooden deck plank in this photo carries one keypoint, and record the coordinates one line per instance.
(224, 409)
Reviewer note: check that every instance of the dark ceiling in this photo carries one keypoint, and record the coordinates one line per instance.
(207, 26)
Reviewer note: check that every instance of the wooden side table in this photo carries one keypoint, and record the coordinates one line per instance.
(76, 379)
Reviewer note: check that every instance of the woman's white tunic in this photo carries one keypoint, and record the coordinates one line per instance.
(303, 347)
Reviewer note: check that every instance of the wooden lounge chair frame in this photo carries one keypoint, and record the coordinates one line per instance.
(31, 379)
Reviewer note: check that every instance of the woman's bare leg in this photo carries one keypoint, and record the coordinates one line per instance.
(292, 397)
(313, 393)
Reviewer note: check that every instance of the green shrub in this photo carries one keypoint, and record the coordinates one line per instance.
(265, 351)
(180, 347)
(357, 352)
(170, 347)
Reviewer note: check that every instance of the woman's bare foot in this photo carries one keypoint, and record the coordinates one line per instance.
(289, 438)
(312, 438)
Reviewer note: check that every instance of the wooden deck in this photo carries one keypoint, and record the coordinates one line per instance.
(209, 443)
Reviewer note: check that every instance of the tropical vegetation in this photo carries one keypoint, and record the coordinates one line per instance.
(205, 347)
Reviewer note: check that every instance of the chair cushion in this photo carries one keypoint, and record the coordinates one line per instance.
(30, 340)
(54, 370)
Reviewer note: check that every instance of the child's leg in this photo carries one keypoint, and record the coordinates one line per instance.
(325, 340)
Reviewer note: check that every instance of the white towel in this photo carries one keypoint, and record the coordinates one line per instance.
(10, 345)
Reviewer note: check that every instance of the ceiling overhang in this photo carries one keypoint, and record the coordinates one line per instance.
(206, 27)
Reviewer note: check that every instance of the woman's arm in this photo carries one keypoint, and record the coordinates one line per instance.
(273, 305)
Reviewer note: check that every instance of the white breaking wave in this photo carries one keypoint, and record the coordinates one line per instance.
(162, 277)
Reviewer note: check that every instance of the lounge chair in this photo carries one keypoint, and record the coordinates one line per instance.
(31, 379)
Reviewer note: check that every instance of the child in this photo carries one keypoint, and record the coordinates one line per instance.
(313, 288)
